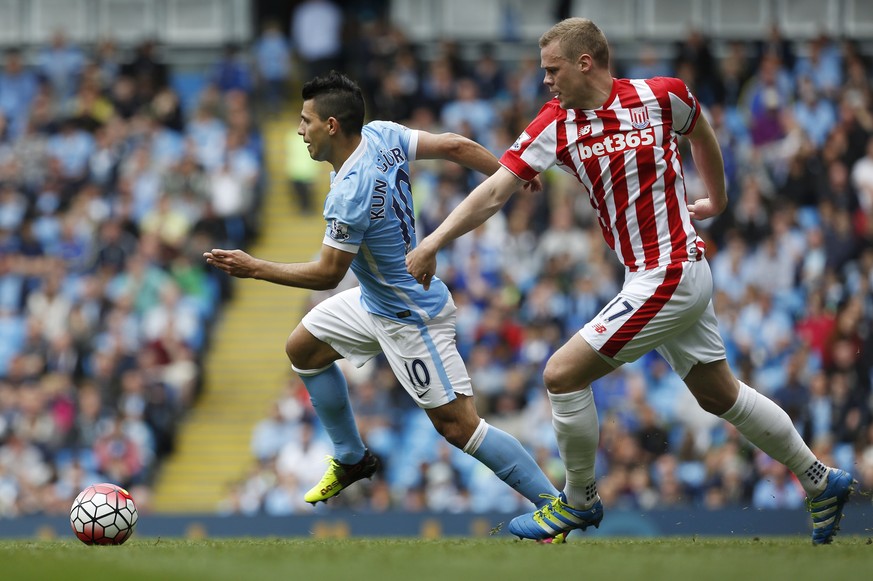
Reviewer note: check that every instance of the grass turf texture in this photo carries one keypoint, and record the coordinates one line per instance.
(450, 559)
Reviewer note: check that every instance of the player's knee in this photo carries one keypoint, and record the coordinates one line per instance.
(305, 351)
(713, 386)
(300, 354)
(449, 431)
(715, 403)
(292, 350)
(555, 378)
(714, 400)
(456, 421)
(456, 433)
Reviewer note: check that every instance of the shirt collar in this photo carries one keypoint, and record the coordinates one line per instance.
(357, 154)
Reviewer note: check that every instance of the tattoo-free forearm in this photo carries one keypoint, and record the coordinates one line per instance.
(710, 164)
(308, 275)
(471, 155)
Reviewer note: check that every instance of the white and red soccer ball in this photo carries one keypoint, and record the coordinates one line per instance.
(103, 514)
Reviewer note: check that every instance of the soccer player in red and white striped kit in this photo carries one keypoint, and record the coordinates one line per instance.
(619, 138)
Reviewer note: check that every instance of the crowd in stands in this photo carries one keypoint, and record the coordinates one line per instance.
(792, 259)
(109, 190)
(112, 181)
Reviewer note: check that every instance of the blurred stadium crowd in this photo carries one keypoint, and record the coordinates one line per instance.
(111, 187)
(109, 190)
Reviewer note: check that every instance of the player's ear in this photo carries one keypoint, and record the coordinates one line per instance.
(333, 126)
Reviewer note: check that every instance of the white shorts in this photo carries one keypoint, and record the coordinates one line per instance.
(423, 356)
(668, 309)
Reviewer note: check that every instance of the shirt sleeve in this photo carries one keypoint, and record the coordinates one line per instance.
(684, 108)
(536, 148)
(412, 148)
(346, 216)
(408, 138)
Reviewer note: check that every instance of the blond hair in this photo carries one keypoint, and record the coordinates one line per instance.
(578, 36)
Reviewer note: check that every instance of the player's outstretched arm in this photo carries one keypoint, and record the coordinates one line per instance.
(324, 273)
(482, 203)
(710, 165)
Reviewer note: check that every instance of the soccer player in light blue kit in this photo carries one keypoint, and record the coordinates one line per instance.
(370, 229)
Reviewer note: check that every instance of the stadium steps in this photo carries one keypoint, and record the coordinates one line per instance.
(246, 367)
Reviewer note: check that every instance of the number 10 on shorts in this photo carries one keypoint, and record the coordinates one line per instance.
(418, 375)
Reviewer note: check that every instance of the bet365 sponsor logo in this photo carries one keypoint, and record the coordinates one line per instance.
(617, 142)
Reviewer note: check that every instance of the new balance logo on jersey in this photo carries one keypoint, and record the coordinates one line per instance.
(617, 142)
(600, 327)
(584, 130)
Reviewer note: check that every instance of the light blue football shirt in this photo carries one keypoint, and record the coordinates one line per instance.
(369, 213)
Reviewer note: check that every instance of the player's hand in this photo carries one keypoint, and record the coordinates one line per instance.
(703, 208)
(535, 185)
(234, 262)
(421, 264)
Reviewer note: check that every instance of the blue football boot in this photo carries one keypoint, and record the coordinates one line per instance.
(555, 519)
(827, 508)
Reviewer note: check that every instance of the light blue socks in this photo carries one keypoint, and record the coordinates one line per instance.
(508, 459)
(329, 393)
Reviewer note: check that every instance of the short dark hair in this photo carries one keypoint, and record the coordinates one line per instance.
(337, 96)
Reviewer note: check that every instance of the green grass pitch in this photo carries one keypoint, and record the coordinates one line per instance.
(449, 559)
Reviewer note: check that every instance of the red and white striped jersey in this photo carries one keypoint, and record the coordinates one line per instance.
(626, 156)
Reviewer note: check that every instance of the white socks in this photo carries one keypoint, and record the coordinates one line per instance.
(769, 428)
(761, 421)
(574, 417)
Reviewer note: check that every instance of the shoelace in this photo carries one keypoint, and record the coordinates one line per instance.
(547, 509)
(332, 463)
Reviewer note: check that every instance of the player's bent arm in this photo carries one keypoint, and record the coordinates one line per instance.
(322, 274)
(710, 165)
(457, 149)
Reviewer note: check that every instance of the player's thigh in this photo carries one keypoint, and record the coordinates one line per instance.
(652, 308)
(700, 342)
(425, 358)
(342, 322)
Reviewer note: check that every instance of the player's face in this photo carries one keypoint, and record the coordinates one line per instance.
(563, 77)
(315, 132)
